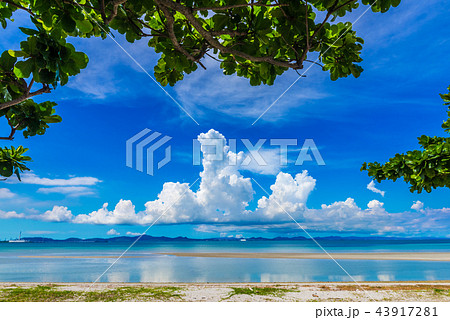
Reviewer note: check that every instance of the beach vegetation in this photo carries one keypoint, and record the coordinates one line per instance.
(260, 291)
(134, 294)
(438, 291)
(39, 293)
(51, 293)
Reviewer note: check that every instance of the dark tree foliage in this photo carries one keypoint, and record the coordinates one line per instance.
(424, 169)
(258, 40)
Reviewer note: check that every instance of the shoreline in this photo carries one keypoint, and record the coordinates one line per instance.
(397, 256)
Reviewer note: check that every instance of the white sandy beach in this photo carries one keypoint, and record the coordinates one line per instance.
(254, 292)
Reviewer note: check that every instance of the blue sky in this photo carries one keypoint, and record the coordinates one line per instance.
(79, 165)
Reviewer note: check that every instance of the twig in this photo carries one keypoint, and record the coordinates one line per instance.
(212, 57)
(233, 33)
(315, 62)
(232, 6)
(13, 130)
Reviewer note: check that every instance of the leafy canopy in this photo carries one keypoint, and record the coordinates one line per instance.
(255, 39)
(424, 169)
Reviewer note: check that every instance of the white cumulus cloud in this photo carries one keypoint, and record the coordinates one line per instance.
(57, 214)
(6, 194)
(417, 205)
(112, 232)
(10, 215)
(224, 202)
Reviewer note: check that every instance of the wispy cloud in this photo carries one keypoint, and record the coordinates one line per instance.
(399, 23)
(69, 191)
(31, 178)
(134, 234)
(371, 187)
(40, 232)
(72, 186)
(210, 90)
(104, 78)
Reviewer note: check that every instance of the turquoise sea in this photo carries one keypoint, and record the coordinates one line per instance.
(160, 268)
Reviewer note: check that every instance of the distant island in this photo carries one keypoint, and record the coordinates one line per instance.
(147, 238)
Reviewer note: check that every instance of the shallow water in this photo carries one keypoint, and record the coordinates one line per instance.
(159, 268)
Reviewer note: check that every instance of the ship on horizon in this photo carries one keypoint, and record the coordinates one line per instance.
(19, 240)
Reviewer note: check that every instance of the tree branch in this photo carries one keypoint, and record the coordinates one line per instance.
(101, 4)
(233, 33)
(18, 6)
(116, 4)
(26, 96)
(29, 86)
(170, 23)
(305, 52)
(188, 13)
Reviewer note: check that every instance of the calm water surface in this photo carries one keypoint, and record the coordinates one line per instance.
(160, 268)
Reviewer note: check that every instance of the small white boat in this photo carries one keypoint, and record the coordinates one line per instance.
(243, 240)
(20, 240)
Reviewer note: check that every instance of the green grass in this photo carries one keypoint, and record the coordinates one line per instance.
(51, 293)
(134, 294)
(35, 294)
(258, 291)
(442, 292)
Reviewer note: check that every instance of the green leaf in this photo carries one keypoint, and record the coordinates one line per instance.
(23, 69)
(84, 26)
(7, 61)
(68, 24)
(16, 54)
(81, 59)
(28, 31)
